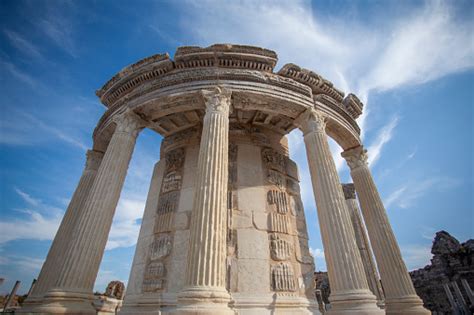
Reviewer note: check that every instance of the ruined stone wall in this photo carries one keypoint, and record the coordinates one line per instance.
(451, 262)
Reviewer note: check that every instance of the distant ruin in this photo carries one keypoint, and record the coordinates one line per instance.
(445, 285)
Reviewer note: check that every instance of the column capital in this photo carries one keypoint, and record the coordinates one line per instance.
(129, 122)
(311, 121)
(93, 159)
(356, 157)
(217, 100)
(349, 191)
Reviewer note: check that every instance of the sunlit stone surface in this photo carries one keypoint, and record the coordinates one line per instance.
(224, 230)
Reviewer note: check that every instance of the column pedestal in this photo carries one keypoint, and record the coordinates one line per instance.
(350, 293)
(72, 292)
(400, 295)
(205, 291)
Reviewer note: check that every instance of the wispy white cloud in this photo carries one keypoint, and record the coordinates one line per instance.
(60, 31)
(23, 45)
(384, 135)
(405, 49)
(406, 195)
(23, 130)
(19, 74)
(429, 43)
(317, 252)
(35, 226)
(124, 231)
(27, 198)
(416, 256)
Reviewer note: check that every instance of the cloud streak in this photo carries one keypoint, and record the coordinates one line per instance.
(360, 56)
(406, 195)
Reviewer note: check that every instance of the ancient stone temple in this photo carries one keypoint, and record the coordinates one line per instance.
(224, 230)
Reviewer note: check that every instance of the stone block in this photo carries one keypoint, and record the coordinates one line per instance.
(252, 199)
(135, 281)
(241, 221)
(186, 198)
(181, 220)
(260, 221)
(177, 265)
(254, 276)
(252, 244)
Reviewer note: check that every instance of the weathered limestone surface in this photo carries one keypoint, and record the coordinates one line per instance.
(400, 295)
(72, 290)
(135, 281)
(363, 244)
(49, 274)
(224, 229)
(350, 293)
(205, 291)
(452, 265)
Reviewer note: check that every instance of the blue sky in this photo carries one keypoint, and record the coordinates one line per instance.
(411, 62)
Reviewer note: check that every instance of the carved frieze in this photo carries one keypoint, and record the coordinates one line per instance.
(279, 223)
(168, 202)
(283, 277)
(154, 276)
(163, 222)
(280, 249)
(276, 178)
(274, 160)
(172, 181)
(293, 186)
(174, 160)
(279, 199)
(161, 247)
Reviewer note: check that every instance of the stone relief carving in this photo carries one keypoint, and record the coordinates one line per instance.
(174, 160)
(172, 181)
(279, 223)
(293, 186)
(274, 160)
(283, 277)
(161, 247)
(168, 202)
(163, 222)
(356, 157)
(280, 249)
(279, 199)
(115, 289)
(276, 178)
(154, 276)
(179, 138)
(218, 100)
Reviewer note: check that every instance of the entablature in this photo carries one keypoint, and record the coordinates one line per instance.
(168, 94)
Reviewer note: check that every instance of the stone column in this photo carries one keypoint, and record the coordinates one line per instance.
(400, 295)
(49, 274)
(77, 273)
(350, 293)
(363, 244)
(205, 291)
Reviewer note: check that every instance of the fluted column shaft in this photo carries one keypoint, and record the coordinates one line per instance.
(54, 259)
(400, 295)
(363, 244)
(205, 274)
(206, 260)
(349, 289)
(84, 254)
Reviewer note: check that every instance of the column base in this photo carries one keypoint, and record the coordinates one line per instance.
(61, 302)
(408, 305)
(360, 302)
(199, 300)
(30, 304)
